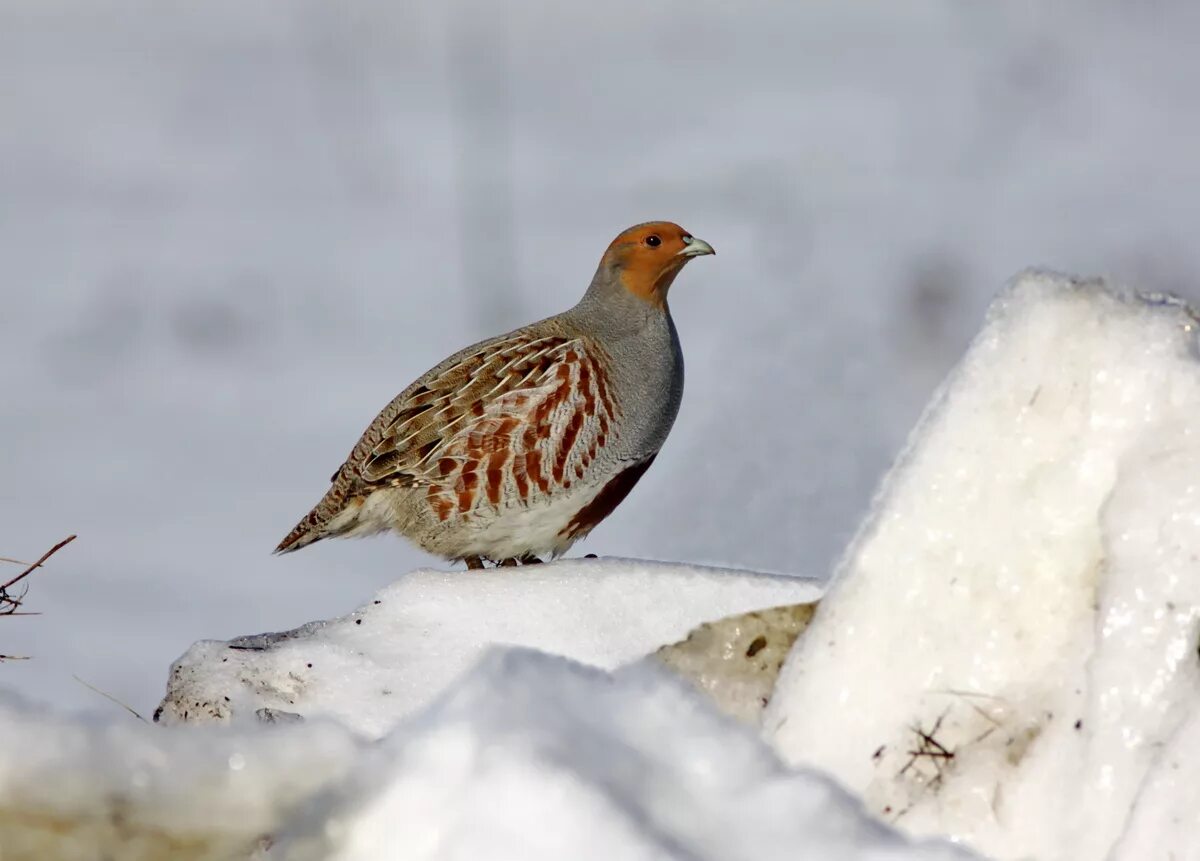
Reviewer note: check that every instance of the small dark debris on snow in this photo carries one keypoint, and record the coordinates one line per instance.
(266, 715)
(931, 749)
(756, 645)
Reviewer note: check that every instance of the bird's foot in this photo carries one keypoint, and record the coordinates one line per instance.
(476, 562)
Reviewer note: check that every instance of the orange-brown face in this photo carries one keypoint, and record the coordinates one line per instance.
(647, 257)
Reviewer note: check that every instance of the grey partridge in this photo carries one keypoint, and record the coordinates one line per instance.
(517, 447)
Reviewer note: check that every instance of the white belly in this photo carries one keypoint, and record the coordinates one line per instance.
(539, 528)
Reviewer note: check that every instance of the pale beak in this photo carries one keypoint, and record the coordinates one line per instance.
(693, 247)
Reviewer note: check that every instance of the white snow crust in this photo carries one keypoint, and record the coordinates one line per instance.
(1009, 651)
(529, 757)
(393, 655)
(75, 789)
(534, 757)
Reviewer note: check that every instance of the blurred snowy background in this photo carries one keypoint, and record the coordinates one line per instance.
(230, 231)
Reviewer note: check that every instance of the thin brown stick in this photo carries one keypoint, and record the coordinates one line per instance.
(59, 546)
(110, 698)
(10, 604)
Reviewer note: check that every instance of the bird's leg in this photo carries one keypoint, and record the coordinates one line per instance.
(474, 563)
(507, 563)
(529, 559)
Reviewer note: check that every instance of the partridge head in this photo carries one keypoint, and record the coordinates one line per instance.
(518, 446)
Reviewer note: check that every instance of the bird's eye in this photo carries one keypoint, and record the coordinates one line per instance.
(653, 241)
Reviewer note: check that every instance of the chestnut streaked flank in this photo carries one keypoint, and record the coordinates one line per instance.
(517, 447)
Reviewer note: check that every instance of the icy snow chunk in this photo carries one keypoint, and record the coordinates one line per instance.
(77, 790)
(393, 655)
(736, 660)
(527, 757)
(1009, 652)
(1166, 817)
(532, 757)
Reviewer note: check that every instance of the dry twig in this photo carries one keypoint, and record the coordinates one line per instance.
(110, 698)
(930, 748)
(9, 603)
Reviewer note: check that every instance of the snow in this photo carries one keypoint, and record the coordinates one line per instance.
(1025, 594)
(532, 757)
(82, 790)
(394, 654)
(527, 757)
(231, 232)
(1165, 818)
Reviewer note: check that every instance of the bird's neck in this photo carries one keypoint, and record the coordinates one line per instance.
(608, 305)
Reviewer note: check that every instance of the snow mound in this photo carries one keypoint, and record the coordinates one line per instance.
(76, 790)
(534, 757)
(527, 757)
(395, 654)
(1009, 651)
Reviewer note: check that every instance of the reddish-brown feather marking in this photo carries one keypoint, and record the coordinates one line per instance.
(568, 443)
(585, 386)
(602, 387)
(520, 478)
(606, 500)
(439, 503)
(533, 465)
(466, 490)
(495, 475)
(523, 416)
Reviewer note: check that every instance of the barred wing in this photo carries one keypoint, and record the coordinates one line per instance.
(514, 421)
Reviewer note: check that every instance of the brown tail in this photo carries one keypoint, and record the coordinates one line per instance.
(306, 532)
(315, 524)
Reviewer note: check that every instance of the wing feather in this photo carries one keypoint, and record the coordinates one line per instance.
(515, 424)
(506, 422)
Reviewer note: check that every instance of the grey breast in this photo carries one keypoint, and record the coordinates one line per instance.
(648, 370)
